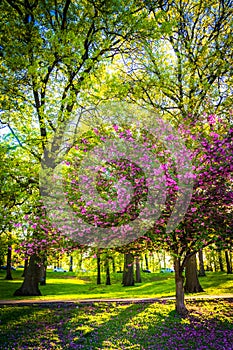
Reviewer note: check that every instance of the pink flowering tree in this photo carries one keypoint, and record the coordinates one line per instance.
(208, 219)
(126, 196)
(40, 240)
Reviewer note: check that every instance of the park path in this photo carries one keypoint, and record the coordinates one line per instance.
(25, 302)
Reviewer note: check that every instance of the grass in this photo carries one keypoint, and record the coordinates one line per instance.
(101, 325)
(69, 286)
(113, 326)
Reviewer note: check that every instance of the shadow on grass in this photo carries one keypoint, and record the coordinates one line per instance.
(35, 327)
(102, 334)
(111, 326)
(216, 280)
(8, 314)
(155, 327)
(155, 285)
(79, 289)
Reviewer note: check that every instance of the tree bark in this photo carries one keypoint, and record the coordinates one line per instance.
(138, 274)
(71, 264)
(98, 269)
(214, 261)
(113, 265)
(43, 270)
(220, 261)
(179, 280)
(30, 286)
(209, 262)
(229, 267)
(8, 264)
(108, 280)
(192, 284)
(80, 262)
(201, 264)
(25, 267)
(147, 264)
(128, 275)
(43, 275)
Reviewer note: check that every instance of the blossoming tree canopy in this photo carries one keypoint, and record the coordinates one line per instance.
(110, 192)
(117, 180)
(209, 217)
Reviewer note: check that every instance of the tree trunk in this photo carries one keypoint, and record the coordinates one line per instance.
(98, 269)
(213, 254)
(220, 261)
(209, 262)
(43, 269)
(113, 265)
(192, 284)
(179, 280)
(146, 259)
(30, 286)
(80, 263)
(201, 264)
(43, 275)
(153, 262)
(138, 274)
(8, 264)
(71, 264)
(108, 280)
(25, 267)
(229, 267)
(128, 275)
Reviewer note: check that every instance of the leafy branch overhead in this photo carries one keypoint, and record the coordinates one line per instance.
(48, 52)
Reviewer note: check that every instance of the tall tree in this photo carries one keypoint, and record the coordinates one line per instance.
(210, 210)
(138, 274)
(228, 262)
(201, 263)
(128, 274)
(15, 192)
(98, 261)
(192, 284)
(49, 49)
(184, 68)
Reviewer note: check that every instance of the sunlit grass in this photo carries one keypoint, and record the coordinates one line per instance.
(69, 286)
(105, 326)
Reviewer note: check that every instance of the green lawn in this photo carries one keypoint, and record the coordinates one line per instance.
(69, 286)
(114, 326)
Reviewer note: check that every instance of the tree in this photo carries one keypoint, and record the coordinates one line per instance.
(15, 193)
(138, 274)
(48, 52)
(210, 210)
(208, 215)
(201, 263)
(8, 264)
(107, 269)
(98, 260)
(220, 261)
(128, 274)
(71, 264)
(192, 284)
(183, 68)
(229, 267)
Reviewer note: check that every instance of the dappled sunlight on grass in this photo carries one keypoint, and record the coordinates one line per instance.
(97, 326)
(217, 283)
